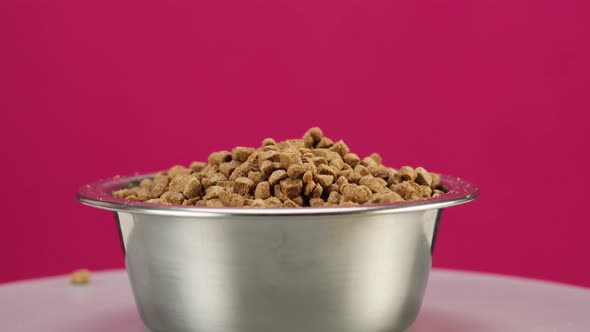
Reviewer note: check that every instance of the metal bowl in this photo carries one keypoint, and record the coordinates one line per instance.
(342, 269)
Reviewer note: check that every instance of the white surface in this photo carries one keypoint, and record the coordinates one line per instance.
(455, 302)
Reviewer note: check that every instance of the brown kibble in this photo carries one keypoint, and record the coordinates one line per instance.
(324, 180)
(241, 153)
(219, 157)
(312, 136)
(290, 204)
(309, 187)
(341, 148)
(423, 177)
(268, 141)
(232, 200)
(329, 170)
(313, 171)
(351, 159)
(277, 176)
(191, 201)
(172, 197)
(368, 162)
(354, 193)
(407, 173)
(334, 197)
(291, 187)
(307, 177)
(299, 200)
(296, 171)
(408, 190)
(197, 166)
(178, 170)
(316, 202)
(317, 192)
(289, 157)
(80, 277)
(373, 183)
(324, 143)
(228, 168)
(213, 180)
(257, 177)
(214, 203)
(243, 186)
(273, 202)
(146, 183)
(262, 190)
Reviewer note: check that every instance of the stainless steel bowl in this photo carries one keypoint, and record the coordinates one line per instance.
(345, 269)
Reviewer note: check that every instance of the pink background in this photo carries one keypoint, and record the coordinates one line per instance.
(493, 91)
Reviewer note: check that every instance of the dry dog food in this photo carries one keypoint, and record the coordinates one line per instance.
(312, 171)
(80, 277)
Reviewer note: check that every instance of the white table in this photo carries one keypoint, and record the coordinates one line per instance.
(455, 302)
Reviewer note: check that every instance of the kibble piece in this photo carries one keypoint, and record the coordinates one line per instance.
(258, 203)
(277, 176)
(132, 198)
(291, 187)
(257, 177)
(341, 148)
(146, 183)
(437, 193)
(229, 186)
(289, 157)
(233, 200)
(268, 155)
(241, 153)
(143, 194)
(290, 204)
(379, 171)
(156, 201)
(407, 173)
(312, 136)
(317, 161)
(307, 177)
(372, 183)
(394, 177)
(426, 191)
(215, 192)
(376, 157)
(309, 188)
(262, 190)
(423, 177)
(299, 200)
(178, 170)
(317, 192)
(228, 168)
(324, 142)
(368, 162)
(316, 202)
(435, 179)
(273, 202)
(268, 141)
(214, 202)
(354, 176)
(354, 193)
(172, 197)
(243, 186)
(352, 159)
(213, 180)
(219, 157)
(408, 190)
(80, 277)
(296, 171)
(191, 201)
(177, 183)
(334, 197)
(362, 170)
(278, 193)
(341, 181)
(385, 197)
(197, 166)
(122, 193)
(326, 169)
(324, 180)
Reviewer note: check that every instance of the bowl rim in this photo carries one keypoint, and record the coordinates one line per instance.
(99, 195)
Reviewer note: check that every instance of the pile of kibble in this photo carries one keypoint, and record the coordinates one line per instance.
(313, 171)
